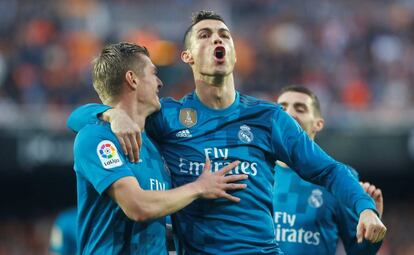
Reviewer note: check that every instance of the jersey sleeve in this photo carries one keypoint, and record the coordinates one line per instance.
(85, 114)
(293, 146)
(97, 158)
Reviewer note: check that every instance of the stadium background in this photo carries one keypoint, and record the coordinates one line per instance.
(358, 56)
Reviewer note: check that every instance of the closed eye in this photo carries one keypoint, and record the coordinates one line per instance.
(301, 108)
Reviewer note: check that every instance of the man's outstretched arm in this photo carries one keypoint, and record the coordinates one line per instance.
(143, 205)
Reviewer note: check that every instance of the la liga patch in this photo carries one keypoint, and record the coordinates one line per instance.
(108, 154)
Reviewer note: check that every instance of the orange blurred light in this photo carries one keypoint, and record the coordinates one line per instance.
(162, 52)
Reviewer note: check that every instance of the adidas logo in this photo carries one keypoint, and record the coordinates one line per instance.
(184, 133)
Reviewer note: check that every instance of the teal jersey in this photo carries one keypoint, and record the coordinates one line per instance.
(309, 220)
(63, 235)
(103, 227)
(255, 132)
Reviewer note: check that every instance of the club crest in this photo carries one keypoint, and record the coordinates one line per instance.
(188, 117)
(245, 135)
(315, 199)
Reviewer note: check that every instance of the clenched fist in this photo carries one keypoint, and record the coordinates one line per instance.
(370, 227)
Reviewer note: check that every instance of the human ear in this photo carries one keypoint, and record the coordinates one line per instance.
(187, 57)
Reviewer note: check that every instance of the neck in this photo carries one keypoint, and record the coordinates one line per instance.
(136, 111)
(215, 92)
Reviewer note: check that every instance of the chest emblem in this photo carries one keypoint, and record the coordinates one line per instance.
(245, 135)
(188, 117)
(315, 199)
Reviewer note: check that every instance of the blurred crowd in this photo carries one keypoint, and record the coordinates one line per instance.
(357, 55)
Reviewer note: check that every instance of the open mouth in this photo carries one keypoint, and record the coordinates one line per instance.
(219, 53)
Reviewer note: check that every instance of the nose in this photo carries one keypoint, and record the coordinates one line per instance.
(217, 39)
(160, 84)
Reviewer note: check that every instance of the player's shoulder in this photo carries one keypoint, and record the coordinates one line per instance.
(169, 102)
(95, 128)
(258, 104)
(94, 131)
(170, 106)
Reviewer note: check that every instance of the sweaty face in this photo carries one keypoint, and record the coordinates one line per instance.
(300, 107)
(149, 85)
(212, 49)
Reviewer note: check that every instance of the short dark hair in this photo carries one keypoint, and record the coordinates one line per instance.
(301, 89)
(110, 66)
(197, 17)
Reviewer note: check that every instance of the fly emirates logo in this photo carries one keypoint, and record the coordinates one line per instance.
(286, 231)
(219, 159)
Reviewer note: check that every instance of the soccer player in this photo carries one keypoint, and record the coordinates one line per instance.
(63, 235)
(121, 204)
(217, 122)
(308, 219)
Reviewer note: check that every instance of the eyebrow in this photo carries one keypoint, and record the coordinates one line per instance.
(224, 30)
(209, 29)
(298, 104)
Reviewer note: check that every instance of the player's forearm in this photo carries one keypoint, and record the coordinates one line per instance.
(303, 155)
(340, 181)
(337, 179)
(142, 205)
(155, 204)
